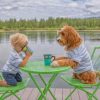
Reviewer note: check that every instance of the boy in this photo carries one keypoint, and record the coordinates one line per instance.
(10, 71)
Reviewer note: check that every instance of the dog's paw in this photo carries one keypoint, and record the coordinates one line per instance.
(54, 64)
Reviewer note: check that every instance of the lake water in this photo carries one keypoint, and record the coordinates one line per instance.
(43, 42)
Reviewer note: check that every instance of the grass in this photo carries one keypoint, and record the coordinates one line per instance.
(41, 29)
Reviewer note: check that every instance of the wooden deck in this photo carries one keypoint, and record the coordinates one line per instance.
(60, 94)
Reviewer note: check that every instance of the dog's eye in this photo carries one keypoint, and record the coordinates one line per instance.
(62, 33)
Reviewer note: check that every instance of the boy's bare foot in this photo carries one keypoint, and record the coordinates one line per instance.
(3, 83)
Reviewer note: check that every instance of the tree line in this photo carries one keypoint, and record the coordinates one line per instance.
(50, 23)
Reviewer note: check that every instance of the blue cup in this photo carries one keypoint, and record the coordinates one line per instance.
(48, 58)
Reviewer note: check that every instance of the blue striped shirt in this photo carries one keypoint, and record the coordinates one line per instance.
(13, 62)
(81, 55)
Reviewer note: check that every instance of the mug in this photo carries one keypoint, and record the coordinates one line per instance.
(48, 58)
(27, 48)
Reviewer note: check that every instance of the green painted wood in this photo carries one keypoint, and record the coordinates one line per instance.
(76, 82)
(40, 68)
(20, 86)
(83, 87)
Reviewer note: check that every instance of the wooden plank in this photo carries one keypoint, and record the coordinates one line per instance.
(49, 97)
(75, 95)
(34, 94)
(65, 93)
(58, 93)
(9, 98)
(26, 93)
(13, 97)
(20, 93)
(98, 94)
(82, 95)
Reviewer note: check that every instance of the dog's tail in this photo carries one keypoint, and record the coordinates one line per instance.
(97, 74)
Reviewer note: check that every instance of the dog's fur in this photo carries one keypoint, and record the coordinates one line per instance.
(70, 39)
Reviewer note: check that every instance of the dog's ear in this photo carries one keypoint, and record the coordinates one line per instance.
(72, 36)
(62, 33)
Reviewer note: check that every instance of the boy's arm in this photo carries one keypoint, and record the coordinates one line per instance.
(25, 60)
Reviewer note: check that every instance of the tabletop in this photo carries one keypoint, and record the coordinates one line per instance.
(38, 67)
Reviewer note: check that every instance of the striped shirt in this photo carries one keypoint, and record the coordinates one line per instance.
(13, 62)
(81, 55)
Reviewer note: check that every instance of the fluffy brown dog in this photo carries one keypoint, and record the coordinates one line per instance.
(78, 58)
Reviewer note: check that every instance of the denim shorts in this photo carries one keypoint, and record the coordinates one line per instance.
(12, 79)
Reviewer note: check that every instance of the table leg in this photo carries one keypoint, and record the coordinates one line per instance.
(3, 95)
(93, 93)
(9, 93)
(14, 93)
(48, 86)
(67, 98)
(45, 85)
(90, 95)
(33, 79)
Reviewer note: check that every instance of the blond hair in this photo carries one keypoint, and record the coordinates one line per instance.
(18, 39)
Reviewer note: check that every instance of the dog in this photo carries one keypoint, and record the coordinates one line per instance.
(77, 57)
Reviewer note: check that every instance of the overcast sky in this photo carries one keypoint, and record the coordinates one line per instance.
(30, 9)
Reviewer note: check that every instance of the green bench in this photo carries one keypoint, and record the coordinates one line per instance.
(80, 86)
(12, 90)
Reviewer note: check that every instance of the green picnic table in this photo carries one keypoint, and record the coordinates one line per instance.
(40, 69)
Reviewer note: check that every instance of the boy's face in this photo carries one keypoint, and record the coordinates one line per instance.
(20, 47)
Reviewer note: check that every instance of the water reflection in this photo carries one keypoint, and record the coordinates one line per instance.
(45, 42)
(43, 36)
(50, 36)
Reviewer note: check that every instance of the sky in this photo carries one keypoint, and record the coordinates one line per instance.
(30, 9)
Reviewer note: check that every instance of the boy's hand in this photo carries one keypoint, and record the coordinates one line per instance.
(27, 49)
(28, 54)
(25, 60)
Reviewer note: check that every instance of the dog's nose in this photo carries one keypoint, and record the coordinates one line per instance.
(58, 39)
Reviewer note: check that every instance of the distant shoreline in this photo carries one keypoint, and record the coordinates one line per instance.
(45, 30)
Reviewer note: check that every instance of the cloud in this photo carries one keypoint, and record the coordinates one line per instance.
(93, 6)
(45, 8)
